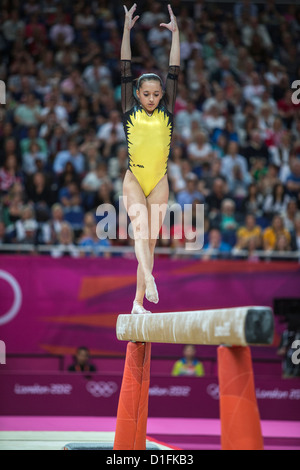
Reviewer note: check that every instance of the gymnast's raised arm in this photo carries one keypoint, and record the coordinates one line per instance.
(126, 73)
(174, 61)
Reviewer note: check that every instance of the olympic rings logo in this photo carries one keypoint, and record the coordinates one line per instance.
(12, 312)
(101, 389)
(213, 391)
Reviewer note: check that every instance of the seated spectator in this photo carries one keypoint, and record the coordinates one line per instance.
(118, 162)
(293, 179)
(27, 113)
(287, 109)
(233, 158)
(71, 199)
(113, 124)
(238, 185)
(273, 135)
(276, 202)
(26, 227)
(271, 234)
(214, 200)
(282, 244)
(58, 111)
(265, 120)
(184, 229)
(199, 151)
(34, 159)
(290, 214)
(61, 33)
(211, 172)
(228, 220)
(13, 203)
(249, 234)
(220, 145)
(189, 365)
(280, 154)
(215, 247)
(269, 179)
(73, 155)
(94, 178)
(295, 241)
(228, 132)
(39, 190)
(4, 238)
(212, 119)
(255, 88)
(65, 244)
(82, 361)
(186, 116)
(9, 173)
(188, 195)
(96, 72)
(33, 137)
(68, 175)
(90, 238)
(253, 202)
(255, 149)
(56, 222)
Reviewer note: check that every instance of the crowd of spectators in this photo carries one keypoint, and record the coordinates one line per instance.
(236, 140)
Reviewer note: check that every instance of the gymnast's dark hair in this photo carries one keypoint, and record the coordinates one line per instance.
(146, 77)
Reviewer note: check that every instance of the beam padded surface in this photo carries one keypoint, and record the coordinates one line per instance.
(237, 326)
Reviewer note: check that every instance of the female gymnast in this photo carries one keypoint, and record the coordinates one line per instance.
(148, 125)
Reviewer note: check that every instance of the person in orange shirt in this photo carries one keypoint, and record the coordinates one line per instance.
(274, 232)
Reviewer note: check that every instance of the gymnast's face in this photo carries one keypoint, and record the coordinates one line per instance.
(150, 94)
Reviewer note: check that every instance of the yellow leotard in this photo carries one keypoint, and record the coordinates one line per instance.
(148, 137)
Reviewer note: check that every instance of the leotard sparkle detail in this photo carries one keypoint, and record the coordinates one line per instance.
(148, 137)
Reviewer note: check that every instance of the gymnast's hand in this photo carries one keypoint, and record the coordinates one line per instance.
(129, 20)
(172, 26)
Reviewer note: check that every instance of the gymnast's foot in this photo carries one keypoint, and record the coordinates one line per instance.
(138, 308)
(151, 290)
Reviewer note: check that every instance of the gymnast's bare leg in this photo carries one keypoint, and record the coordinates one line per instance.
(146, 229)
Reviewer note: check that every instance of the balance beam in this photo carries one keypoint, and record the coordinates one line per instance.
(238, 326)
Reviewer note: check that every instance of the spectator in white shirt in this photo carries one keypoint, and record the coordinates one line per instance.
(255, 88)
(231, 159)
(199, 150)
(96, 73)
(185, 117)
(61, 33)
(114, 123)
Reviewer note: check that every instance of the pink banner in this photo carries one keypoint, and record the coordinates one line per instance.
(69, 394)
(54, 305)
